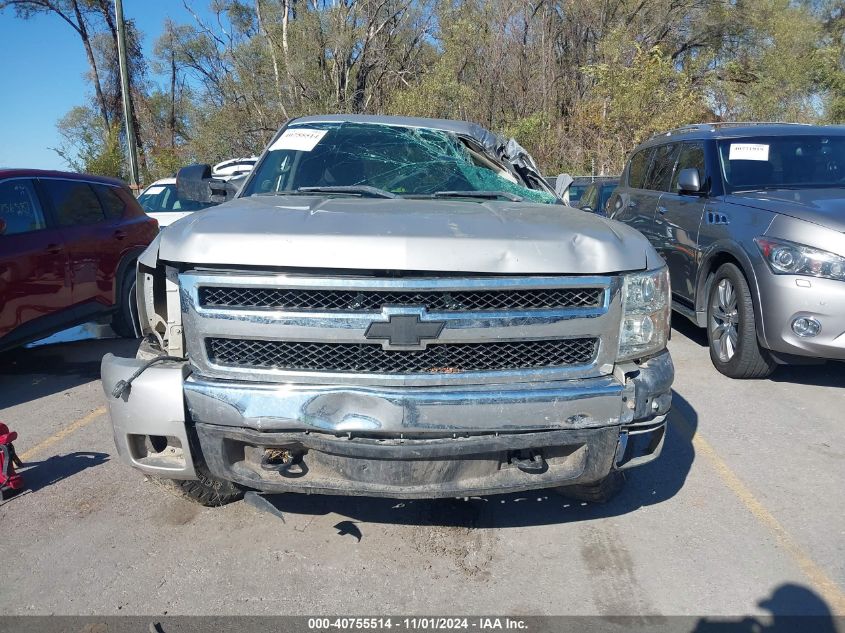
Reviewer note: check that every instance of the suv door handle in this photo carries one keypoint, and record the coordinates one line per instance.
(54, 249)
(662, 210)
(120, 234)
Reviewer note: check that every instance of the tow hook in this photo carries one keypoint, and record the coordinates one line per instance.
(533, 465)
(276, 458)
(284, 461)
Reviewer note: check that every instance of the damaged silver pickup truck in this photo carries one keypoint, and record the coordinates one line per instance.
(393, 307)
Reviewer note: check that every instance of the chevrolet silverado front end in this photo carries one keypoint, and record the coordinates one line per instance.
(393, 345)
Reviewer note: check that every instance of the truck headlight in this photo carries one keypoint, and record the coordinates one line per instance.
(788, 258)
(645, 313)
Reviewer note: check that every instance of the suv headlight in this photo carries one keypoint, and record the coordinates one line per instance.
(645, 313)
(788, 258)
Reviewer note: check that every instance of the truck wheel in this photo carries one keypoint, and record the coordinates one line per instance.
(209, 490)
(123, 321)
(731, 328)
(600, 491)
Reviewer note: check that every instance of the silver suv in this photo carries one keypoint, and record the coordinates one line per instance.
(393, 307)
(750, 219)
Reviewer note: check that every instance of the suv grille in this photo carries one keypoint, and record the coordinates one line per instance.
(444, 358)
(435, 301)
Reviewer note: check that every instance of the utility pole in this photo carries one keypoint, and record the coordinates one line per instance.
(127, 103)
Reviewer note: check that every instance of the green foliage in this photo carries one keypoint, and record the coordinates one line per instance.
(89, 146)
(637, 93)
(578, 82)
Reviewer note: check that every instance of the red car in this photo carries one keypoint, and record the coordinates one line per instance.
(68, 246)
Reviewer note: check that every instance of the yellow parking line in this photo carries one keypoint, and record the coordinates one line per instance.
(63, 433)
(823, 584)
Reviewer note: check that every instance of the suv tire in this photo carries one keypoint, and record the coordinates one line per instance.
(123, 321)
(732, 329)
(600, 491)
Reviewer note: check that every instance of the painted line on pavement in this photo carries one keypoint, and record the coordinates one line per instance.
(63, 433)
(818, 577)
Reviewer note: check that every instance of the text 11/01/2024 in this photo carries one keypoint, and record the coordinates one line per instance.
(428, 623)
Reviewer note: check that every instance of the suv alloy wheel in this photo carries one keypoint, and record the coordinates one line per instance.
(731, 328)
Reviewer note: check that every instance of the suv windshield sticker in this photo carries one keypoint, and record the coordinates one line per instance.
(749, 151)
(298, 139)
(151, 191)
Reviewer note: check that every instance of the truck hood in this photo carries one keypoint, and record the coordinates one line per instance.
(819, 206)
(402, 234)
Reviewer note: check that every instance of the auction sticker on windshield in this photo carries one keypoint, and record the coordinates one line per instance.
(298, 139)
(749, 151)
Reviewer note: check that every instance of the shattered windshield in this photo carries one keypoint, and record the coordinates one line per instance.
(392, 159)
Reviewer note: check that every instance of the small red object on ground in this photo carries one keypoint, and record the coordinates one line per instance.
(10, 482)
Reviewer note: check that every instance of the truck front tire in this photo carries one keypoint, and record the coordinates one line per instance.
(209, 490)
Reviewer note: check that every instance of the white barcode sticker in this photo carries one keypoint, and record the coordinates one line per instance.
(298, 139)
(749, 151)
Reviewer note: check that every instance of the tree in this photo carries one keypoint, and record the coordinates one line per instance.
(579, 82)
(88, 145)
(94, 22)
(77, 17)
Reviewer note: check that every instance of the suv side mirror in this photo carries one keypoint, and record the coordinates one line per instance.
(195, 183)
(689, 181)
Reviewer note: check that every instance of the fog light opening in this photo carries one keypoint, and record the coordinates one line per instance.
(158, 443)
(806, 327)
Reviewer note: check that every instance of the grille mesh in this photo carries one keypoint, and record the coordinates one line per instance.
(371, 358)
(435, 301)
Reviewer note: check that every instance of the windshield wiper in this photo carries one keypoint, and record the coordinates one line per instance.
(487, 195)
(362, 190)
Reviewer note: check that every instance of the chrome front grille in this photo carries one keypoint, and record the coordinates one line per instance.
(374, 300)
(371, 358)
(347, 329)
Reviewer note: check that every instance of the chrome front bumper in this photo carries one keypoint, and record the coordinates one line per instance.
(390, 441)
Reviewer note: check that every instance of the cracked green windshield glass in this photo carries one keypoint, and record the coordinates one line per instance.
(404, 161)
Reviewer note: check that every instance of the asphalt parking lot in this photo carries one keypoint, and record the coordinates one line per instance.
(742, 514)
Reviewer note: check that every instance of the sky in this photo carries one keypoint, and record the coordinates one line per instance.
(42, 66)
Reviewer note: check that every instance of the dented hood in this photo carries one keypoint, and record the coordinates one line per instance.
(404, 234)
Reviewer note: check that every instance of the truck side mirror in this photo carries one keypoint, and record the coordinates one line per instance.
(689, 181)
(195, 183)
